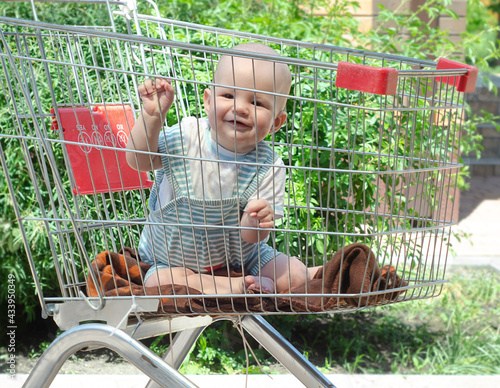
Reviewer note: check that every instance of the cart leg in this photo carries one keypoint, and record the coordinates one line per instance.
(179, 349)
(95, 334)
(284, 352)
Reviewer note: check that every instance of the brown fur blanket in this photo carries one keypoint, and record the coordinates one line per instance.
(351, 272)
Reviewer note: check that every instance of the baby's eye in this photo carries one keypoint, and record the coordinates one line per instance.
(257, 103)
(228, 95)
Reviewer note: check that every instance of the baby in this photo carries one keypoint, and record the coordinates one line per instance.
(218, 186)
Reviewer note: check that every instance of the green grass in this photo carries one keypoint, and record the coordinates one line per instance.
(456, 333)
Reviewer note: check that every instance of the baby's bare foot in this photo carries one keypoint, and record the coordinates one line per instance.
(259, 283)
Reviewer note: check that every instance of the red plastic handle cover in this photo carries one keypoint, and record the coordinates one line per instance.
(463, 83)
(369, 79)
(100, 170)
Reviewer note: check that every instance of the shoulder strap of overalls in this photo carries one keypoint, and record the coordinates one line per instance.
(176, 168)
(263, 157)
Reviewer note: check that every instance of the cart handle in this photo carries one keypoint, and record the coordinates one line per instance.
(464, 83)
(365, 78)
(384, 80)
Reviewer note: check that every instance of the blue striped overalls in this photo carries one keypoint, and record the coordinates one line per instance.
(186, 232)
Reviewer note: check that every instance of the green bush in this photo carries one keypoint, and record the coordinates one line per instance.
(284, 19)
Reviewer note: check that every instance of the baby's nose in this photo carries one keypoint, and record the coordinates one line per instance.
(242, 108)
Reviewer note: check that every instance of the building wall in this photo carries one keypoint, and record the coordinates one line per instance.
(483, 99)
(369, 9)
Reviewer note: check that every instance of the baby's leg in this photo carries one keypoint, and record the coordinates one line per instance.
(205, 283)
(166, 276)
(287, 272)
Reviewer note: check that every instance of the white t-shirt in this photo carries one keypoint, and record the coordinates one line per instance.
(214, 176)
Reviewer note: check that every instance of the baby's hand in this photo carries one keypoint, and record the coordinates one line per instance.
(157, 96)
(261, 211)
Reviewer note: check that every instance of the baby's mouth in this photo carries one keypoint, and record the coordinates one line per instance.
(238, 124)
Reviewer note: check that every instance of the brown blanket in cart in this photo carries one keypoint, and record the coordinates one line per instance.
(352, 270)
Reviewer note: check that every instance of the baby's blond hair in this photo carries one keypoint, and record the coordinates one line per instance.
(282, 74)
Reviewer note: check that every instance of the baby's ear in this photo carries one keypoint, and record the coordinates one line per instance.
(279, 121)
(207, 97)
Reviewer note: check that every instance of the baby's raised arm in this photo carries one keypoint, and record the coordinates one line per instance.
(157, 98)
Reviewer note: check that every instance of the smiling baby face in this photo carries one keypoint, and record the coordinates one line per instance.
(245, 110)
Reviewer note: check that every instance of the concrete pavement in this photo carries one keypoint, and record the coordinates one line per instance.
(273, 381)
(479, 220)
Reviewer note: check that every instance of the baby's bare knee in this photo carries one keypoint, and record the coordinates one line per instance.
(298, 272)
(152, 281)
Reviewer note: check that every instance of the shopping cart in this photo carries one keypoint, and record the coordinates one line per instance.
(369, 149)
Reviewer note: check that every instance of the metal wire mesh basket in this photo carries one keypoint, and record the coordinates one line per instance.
(368, 153)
